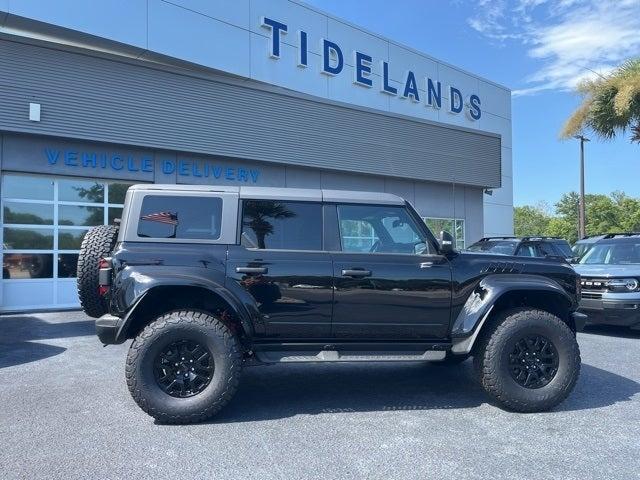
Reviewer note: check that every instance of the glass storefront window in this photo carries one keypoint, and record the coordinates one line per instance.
(67, 265)
(70, 239)
(28, 213)
(114, 212)
(27, 187)
(80, 215)
(28, 238)
(454, 226)
(29, 205)
(117, 192)
(80, 191)
(27, 265)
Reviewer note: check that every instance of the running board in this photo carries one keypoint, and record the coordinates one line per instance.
(289, 356)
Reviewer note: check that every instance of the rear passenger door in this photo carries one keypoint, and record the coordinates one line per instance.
(280, 262)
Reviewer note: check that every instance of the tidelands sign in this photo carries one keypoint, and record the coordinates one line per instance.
(332, 63)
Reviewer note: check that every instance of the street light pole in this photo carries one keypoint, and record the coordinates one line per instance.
(582, 226)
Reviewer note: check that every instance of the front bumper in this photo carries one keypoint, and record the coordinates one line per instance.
(107, 329)
(619, 311)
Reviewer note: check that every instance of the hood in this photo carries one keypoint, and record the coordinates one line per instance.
(608, 271)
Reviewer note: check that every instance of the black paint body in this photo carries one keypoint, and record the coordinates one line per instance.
(304, 296)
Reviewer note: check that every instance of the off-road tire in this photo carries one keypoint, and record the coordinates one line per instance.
(97, 243)
(492, 354)
(184, 325)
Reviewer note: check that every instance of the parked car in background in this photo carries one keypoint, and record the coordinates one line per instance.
(525, 247)
(610, 280)
(583, 245)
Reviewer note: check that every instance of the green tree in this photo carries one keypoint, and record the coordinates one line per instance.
(530, 220)
(617, 212)
(611, 104)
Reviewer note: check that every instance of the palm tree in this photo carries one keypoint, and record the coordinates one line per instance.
(257, 215)
(611, 104)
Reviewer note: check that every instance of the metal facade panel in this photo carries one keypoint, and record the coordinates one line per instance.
(88, 97)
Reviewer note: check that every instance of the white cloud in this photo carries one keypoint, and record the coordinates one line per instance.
(571, 39)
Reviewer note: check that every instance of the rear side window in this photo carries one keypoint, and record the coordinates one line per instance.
(180, 217)
(268, 224)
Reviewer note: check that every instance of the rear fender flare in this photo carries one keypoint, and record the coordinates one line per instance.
(239, 308)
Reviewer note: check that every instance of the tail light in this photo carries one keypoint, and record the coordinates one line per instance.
(104, 276)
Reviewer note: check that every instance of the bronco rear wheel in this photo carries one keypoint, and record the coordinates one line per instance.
(98, 243)
(529, 361)
(184, 367)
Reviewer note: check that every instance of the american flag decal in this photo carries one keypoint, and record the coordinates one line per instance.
(162, 217)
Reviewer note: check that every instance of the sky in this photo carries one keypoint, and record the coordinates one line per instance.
(540, 49)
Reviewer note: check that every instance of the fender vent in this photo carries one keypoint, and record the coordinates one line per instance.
(504, 267)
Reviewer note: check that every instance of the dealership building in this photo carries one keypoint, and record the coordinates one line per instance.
(96, 96)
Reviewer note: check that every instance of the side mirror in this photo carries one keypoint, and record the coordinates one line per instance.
(446, 242)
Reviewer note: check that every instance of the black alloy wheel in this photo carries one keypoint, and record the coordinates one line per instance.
(184, 368)
(533, 363)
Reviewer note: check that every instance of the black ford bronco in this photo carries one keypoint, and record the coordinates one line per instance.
(208, 279)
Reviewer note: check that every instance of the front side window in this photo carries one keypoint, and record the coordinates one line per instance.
(379, 229)
(527, 250)
(269, 224)
(180, 217)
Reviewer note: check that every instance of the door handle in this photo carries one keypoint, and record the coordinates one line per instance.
(356, 273)
(252, 269)
(426, 264)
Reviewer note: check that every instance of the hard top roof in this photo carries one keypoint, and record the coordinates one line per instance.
(282, 193)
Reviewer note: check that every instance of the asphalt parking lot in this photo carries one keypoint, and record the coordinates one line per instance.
(66, 413)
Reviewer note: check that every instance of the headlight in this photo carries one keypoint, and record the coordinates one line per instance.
(629, 284)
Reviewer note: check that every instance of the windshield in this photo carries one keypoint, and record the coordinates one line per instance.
(501, 247)
(619, 253)
(579, 249)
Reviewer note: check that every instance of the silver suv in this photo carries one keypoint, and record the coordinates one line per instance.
(610, 279)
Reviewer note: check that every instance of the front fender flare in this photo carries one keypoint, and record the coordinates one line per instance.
(479, 305)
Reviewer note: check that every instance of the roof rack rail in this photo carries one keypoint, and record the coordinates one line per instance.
(620, 234)
(541, 237)
(506, 237)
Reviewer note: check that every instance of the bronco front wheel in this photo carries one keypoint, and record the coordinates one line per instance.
(183, 367)
(529, 361)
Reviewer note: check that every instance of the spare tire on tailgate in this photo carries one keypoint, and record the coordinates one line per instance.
(97, 244)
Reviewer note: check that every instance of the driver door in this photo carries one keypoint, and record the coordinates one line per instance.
(389, 282)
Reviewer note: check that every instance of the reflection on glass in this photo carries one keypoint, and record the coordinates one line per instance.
(28, 213)
(78, 215)
(357, 235)
(80, 191)
(30, 188)
(114, 212)
(117, 191)
(70, 239)
(28, 238)
(454, 227)
(67, 265)
(26, 265)
(282, 225)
